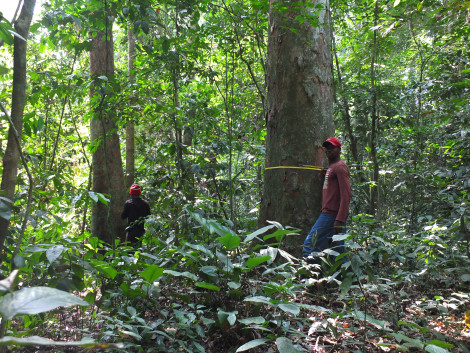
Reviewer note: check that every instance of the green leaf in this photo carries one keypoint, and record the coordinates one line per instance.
(208, 286)
(255, 261)
(413, 342)
(340, 236)
(346, 283)
(227, 316)
(41, 341)
(36, 300)
(280, 233)
(104, 268)
(290, 308)
(356, 263)
(252, 344)
(209, 270)
(441, 344)
(260, 231)
(184, 274)
(230, 241)
(54, 252)
(259, 299)
(5, 211)
(258, 320)
(285, 345)
(151, 273)
(5, 33)
(465, 277)
(431, 348)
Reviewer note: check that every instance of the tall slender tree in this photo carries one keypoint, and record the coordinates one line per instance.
(299, 112)
(12, 152)
(130, 127)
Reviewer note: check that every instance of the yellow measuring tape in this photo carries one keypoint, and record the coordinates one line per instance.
(309, 167)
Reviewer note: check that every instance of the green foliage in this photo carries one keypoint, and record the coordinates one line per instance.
(197, 97)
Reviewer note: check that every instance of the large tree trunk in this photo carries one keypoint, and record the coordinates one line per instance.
(299, 118)
(108, 175)
(12, 152)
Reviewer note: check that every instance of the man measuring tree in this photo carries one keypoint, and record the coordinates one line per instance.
(336, 196)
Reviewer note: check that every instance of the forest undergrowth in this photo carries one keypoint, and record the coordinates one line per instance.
(226, 292)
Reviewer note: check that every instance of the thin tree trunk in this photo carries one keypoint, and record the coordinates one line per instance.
(299, 118)
(345, 111)
(130, 127)
(12, 152)
(374, 185)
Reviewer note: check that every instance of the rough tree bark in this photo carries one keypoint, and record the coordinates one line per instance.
(12, 152)
(108, 174)
(299, 116)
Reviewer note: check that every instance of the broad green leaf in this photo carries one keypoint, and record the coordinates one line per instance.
(259, 299)
(290, 308)
(271, 252)
(356, 263)
(230, 241)
(54, 252)
(5, 34)
(227, 316)
(152, 273)
(413, 342)
(252, 344)
(280, 233)
(93, 196)
(36, 300)
(200, 248)
(19, 261)
(104, 268)
(346, 283)
(431, 348)
(259, 320)
(441, 344)
(41, 341)
(255, 261)
(208, 286)
(5, 210)
(260, 231)
(465, 277)
(184, 274)
(341, 236)
(209, 270)
(285, 345)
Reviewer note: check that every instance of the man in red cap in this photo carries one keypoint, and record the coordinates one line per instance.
(135, 210)
(335, 204)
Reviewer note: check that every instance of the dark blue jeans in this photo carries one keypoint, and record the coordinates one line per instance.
(324, 230)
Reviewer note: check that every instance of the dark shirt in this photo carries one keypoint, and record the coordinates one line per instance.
(135, 210)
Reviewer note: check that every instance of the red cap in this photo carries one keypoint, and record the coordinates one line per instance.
(135, 190)
(333, 140)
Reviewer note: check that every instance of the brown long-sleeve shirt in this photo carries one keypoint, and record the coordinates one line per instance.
(337, 191)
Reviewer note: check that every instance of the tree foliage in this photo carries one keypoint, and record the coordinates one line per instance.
(205, 278)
